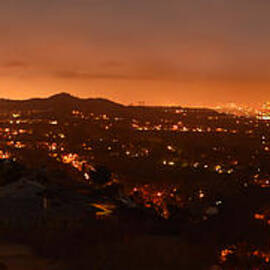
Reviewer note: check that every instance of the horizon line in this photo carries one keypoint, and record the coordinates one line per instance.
(139, 103)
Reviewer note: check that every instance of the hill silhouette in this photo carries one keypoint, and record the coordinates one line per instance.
(60, 102)
(63, 103)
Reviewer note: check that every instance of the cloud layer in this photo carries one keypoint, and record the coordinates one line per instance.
(201, 51)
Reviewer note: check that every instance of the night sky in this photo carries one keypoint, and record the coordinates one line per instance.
(186, 52)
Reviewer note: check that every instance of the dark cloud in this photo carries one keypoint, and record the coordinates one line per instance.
(15, 64)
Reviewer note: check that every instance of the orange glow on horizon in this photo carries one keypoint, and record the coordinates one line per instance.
(94, 49)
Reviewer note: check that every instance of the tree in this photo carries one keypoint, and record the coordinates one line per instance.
(101, 175)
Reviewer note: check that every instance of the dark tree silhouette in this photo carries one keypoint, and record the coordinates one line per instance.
(101, 175)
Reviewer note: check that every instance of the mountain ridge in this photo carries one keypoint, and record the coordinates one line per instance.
(60, 101)
(64, 102)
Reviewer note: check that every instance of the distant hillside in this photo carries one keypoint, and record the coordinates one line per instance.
(64, 102)
(60, 102)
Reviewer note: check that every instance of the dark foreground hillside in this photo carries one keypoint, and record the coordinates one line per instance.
(77, 226)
